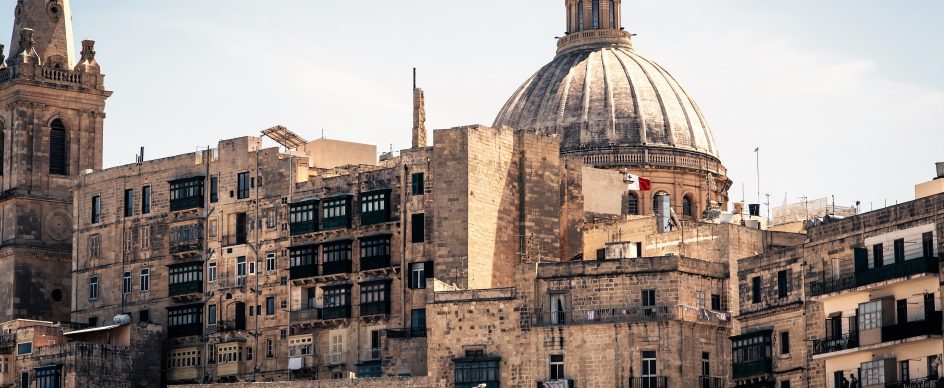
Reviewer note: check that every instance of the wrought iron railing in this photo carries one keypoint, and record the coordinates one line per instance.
(924, 382)
(875, 275)
(649, 382)
(710, 382)
(929, 326)
(829, 345)
(336, 358)
(371, 355)
(186, 246)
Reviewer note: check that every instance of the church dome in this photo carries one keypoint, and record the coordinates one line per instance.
(598, 93)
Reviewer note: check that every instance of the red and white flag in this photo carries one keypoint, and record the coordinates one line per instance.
(638, 183)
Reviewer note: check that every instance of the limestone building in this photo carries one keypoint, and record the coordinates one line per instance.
(51, 119)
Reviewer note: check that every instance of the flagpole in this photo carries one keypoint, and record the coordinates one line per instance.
(757, 152)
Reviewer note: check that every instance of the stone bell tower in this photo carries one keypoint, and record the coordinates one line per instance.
(51, 120)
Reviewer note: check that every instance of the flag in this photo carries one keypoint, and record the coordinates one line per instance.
(638, 183)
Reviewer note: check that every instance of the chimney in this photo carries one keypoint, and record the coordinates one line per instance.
(940, 170)
(419, 115)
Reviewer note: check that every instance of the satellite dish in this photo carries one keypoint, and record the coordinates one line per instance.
(122, 319)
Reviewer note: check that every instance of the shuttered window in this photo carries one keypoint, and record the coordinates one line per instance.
(57, 149)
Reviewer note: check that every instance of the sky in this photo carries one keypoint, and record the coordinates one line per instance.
(844, 98)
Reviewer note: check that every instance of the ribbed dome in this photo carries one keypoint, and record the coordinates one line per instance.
(597, 96)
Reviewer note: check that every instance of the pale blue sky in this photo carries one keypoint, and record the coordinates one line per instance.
(843, 97)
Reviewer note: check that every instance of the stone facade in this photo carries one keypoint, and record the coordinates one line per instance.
(52, 111)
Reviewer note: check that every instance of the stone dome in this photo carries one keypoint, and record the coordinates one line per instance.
(598, 93)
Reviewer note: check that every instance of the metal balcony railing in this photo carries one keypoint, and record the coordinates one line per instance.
(929, 326)
(649, 382)
(186, 246)
(924, 382)
(630, 315)
(371, 355)
(829, 345)
(709, 382)
(406, 333)
(875, 275)
(336, 358)
(556, 383)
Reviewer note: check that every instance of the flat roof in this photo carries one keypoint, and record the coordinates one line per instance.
(95, 329)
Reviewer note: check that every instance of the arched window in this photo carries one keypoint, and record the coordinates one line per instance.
(596, 14)
(687, 206)
(612, 14)
(58, 155)
(570, 19)
(655, 200)
(632, 206)
(580, 15)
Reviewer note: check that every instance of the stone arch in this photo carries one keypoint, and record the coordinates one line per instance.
(58, 147)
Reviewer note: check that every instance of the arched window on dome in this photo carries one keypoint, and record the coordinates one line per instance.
(580, 15)
(596, 14)
(58, 150)
(687, 209)
(632, 205)
(612, 14)
(655, 200)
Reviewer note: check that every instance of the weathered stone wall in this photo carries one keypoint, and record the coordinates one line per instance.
(405, 382)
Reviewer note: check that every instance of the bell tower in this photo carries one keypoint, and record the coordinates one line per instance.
(52, 108)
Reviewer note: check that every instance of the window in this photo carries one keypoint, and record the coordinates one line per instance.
(899, 250)
(58, 149)
(184, 321)
(418, 322)
(785, 342)
(93, 288)
(270, 262)
(241, 270)
(705, 367)
(904, 371)
(416, 184)
(557, 367)
(214, 189)
(375, 298)
(241, 226)
(934, 365)
(302, 217)
(144, 316)
(211, 272)
(129, 202)
(927, 244)
(580, 15)
(419, 272)
(783, 286)
(186, 278)
(145, 199)
(375, 207)
(595, 10)
(375, 253)
(211, 314)
(336, 297)
(96, 209)
(49, 377)
(302, 261)
(126, 283)
(878, 255)
(335, 213)
(612, 14)
(270, 348)
(242, 185)
(700, 299)
(873, 373)
(716, 302)
(649, 368)
(785, 384)
(270, 305)
(687, 206)
(186, 193)
(145, 237)
(145, 279)
(632, 206)
(648, 300)
(418, 228)
(24, 348)
(751, 347)
(755, 289)
(870, 315)
(477, 370)
(95, 246)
